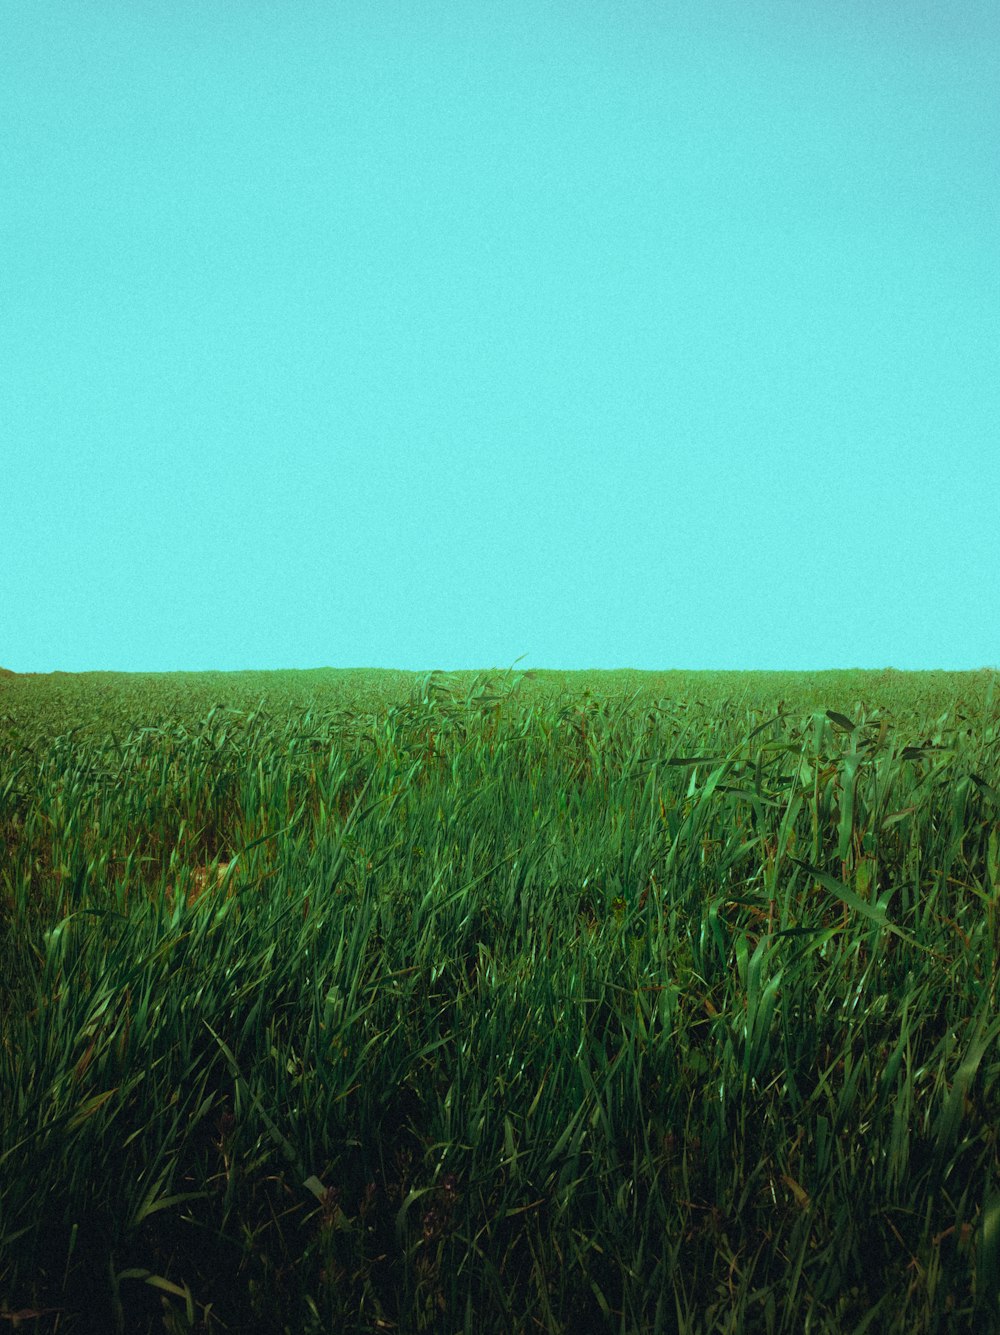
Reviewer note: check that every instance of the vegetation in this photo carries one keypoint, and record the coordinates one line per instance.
(621, 1002)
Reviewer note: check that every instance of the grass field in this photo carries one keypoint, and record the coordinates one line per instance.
(622, 1002)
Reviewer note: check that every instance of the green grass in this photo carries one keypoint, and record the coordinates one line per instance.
(564, 1002)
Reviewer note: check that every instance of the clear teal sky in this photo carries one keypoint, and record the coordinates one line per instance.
(434, 333)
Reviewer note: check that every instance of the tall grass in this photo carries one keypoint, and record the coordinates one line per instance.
(500, 1008)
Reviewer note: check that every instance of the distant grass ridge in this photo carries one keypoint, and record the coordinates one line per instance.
(486, 1003)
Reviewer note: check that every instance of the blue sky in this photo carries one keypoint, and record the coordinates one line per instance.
(441, 334)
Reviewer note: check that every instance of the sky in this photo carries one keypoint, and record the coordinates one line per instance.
(447, 333)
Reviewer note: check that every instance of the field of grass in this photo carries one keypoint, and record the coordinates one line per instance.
(621, 1002)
